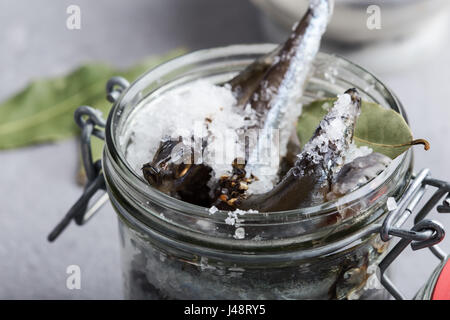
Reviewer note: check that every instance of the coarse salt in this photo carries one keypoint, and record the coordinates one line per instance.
(201, 110)
(391, 204)
(239, 233)
(213, 210)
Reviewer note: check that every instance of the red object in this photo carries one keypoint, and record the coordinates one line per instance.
(442, 288)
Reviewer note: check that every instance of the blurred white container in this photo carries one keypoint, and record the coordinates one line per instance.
(349, 22)
(411, 30)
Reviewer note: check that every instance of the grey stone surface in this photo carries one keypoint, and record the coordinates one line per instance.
(37, 184)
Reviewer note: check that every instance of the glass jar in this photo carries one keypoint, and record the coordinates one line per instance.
(176, 250)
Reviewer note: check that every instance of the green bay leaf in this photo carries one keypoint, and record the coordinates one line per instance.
(131, 75)
(383, 130)
(43, 111)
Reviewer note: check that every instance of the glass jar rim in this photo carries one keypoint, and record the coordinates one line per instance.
(137, 182)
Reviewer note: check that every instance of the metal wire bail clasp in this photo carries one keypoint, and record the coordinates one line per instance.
(424, 234)
(91, 122)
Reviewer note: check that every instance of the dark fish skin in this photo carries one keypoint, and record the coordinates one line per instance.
(354, 175)
(275, 101)
(293, 149)
(161, 166)
(191, 187)
(357, 173)
(246, 82)
(260, 99)
(180, 179)
(309, 182)
(258, 85)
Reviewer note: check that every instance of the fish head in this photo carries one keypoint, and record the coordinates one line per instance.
(172, 169)
(352, 113)
(354, 95)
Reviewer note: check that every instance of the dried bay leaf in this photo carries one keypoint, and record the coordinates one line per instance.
(130, 75)
(383, 130)
(43, 111)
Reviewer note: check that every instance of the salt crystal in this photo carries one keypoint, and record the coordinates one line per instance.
(233, 216)
(372, 283)
(239, 233)
(354, 152)
(213, 210)
(333, 127)
(391, 204)
(230, 221)
(372, 269)
(182, 112)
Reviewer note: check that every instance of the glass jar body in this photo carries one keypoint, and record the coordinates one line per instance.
(155, 271)
(174, 250)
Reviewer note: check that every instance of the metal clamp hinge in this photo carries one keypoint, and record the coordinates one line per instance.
(424, 234)
(91, 124)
